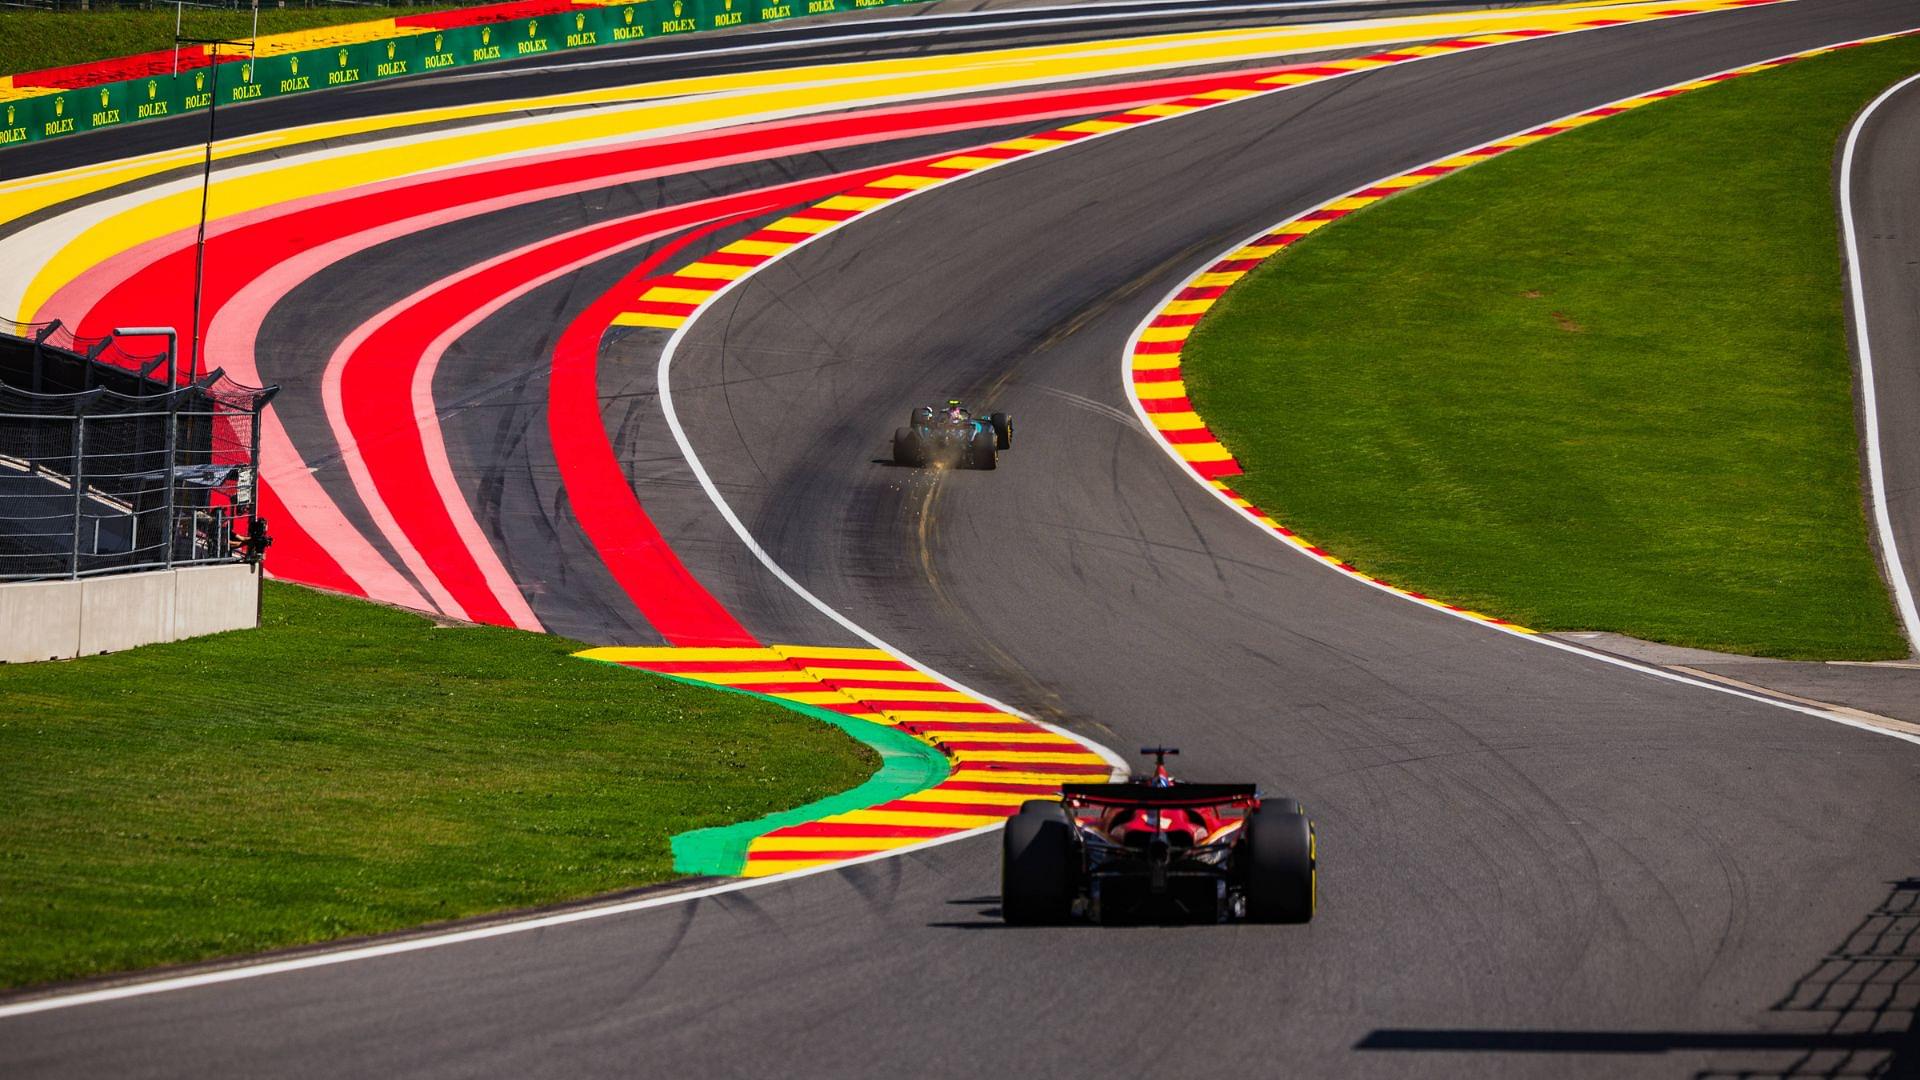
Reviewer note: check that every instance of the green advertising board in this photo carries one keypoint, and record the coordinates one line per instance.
(237, 82)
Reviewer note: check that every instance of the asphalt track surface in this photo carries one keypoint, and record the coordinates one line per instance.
(934, 29)
(1535, 864)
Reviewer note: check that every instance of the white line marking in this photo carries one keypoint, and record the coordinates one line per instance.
(1126, 379)
(392, 948)
(662, 376)
(1869, 398)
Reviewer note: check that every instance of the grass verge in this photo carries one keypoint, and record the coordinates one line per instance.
(35, 40)
(348, 769)
(1601, 383)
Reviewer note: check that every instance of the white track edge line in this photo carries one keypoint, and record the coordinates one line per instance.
(369, 952)
(662, 375)
(1869, 397)
(1542, 639)
(539, 922)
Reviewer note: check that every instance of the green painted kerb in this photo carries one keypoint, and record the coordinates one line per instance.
(907, 765)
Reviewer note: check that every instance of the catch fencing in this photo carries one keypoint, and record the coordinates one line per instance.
(119, 473)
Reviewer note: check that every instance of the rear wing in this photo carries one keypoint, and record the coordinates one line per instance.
(1176, 797)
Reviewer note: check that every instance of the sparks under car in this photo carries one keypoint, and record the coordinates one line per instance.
(1157, 849)
(952, 437)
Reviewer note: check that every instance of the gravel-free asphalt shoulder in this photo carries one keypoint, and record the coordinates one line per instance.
(1535, 863)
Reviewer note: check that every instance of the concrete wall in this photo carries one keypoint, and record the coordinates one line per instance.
(56, 620)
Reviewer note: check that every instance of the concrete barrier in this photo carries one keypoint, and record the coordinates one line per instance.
(39, 620)
(57, 620)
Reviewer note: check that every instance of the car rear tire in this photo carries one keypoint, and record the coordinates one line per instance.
(1039, 866)
(1002, 430)
(1281, 862)
(906, 450)
(981, 455)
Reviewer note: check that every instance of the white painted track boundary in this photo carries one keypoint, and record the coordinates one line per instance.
(1869, 397)
(1146, 421)
(455, 937)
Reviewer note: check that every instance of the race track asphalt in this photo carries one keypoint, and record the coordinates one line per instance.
(1535, 863)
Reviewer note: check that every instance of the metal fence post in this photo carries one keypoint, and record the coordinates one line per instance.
(173, 440)
(79, 479)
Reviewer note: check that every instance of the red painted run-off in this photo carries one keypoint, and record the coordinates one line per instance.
(156, 291)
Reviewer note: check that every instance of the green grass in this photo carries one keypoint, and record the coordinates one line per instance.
(33, 40)
(1601, 383)
(349, 768)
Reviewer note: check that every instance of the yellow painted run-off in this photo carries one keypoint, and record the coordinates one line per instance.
(996, 759)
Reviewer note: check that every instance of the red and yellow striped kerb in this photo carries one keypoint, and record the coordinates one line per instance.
(996, 760)
(668, 302)
(1153, 358)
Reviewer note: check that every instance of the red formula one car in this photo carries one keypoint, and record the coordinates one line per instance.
(1157, 849)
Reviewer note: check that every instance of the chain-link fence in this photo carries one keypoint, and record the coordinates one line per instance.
(97, 479)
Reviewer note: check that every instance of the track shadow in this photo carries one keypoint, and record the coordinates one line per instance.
(988, 912)
(1860, 1006)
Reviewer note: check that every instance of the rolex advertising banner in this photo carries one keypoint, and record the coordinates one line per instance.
(50, 115)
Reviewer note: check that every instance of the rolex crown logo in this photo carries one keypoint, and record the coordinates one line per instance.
(486, 35)
(580, 21)
(199, 80)
(246, 73)
(390, 47)
(438, 40)
(153, 89)
(103, 97)
(59, 106)
(676, 8)
(533, 28)
(293, 62)
(9, 116)
(343, 58)
(628, 16)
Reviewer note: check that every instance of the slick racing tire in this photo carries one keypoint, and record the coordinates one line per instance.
(1002, 430)
(905, 448)
(1280, 856)
(981, 454)
(1039, 867)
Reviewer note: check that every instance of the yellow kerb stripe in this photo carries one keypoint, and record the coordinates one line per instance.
(668, 295)
(647, 318)
(966, 161)
(801, 225)
(833, 652)
(720, 271)
(1203, 451)
(901, 180)
(852, 202)
(1155, 390)
(1177, 421)
(756, 247)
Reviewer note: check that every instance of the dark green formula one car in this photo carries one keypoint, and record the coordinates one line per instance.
(953, 438)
